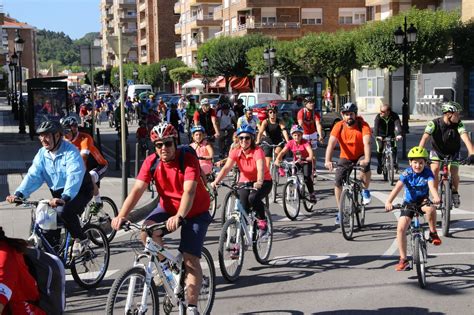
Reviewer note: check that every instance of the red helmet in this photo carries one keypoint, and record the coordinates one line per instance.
(162, 132)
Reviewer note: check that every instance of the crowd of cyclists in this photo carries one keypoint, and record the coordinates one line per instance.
(71, 166)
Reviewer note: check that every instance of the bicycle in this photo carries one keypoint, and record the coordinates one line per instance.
(231, 196)
(85, 269)
(135, 290)
(240, 231)
(388, 164)
(418, 240)
(102, 217)
(350, 203)
(445, 190)
(212, 192)
(295, 191)
(273, 170)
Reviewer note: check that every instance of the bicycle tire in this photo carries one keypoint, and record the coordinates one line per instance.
(391, 170)
(103, 218)
(346, 215)
(446, 209)
(207, 293)
(291, 200)
(260, 238)
(231, 241)
(419, 259)
(213, 205)
(308, 206)
(229, 205)
(90, 258)
(360, 210)
(385, 168)
(115, 296)
(274, 182)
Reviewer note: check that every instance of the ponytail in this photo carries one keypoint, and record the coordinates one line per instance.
(18, 244)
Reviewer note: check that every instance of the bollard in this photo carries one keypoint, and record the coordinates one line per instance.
(117, 155)
(136, 158)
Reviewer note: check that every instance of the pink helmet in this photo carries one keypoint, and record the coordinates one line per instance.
(162, 132)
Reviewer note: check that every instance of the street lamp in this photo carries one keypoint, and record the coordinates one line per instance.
(11, 67)
(404, 38)
(135, 75)
(163, 71)
(19, 44)
(205, 67)
(269, 57)
(14, 62)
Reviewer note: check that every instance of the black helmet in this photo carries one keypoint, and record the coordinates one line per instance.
(349, 107)
(240, 101)
(308, 99)
(69, 121)
(225, 106)
(49, 126)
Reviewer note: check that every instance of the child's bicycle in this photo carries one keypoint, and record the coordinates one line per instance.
(417, 240)
(90, 268)
(240, 232)
(135, 290)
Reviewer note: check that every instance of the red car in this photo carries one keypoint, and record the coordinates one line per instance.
(260, 110)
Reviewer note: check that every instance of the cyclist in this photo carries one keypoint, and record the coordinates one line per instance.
(182, 195)
(174, 117)
(353, 135)
(272, 130)
(204, 150)
(418, 181)
(386, 125)
(226, 119)
(94, 161)
(302, 151)
(248, 119)
(18, 289)
(191, 108)
(59, 165)
(310, 120)
(239, 108)
(250, 160)
(142, 136)
(446, 133)
(287, 120)
(206, 117)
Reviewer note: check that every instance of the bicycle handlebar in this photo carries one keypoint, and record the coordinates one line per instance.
(246, 185)
(413, 207)
(272, 145)
(20, 201)
(149, 229)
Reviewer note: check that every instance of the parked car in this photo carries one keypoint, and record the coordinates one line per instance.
(135, 90)
(250, 99)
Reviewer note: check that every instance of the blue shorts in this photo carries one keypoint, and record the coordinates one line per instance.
(193, 231)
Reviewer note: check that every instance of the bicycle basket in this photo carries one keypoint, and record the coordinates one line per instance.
(46, 216)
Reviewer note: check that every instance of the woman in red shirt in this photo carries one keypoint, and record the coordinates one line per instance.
(250, 160)
(17, 286)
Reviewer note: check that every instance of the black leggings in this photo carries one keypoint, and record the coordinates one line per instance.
(254, 198)
(307, 175)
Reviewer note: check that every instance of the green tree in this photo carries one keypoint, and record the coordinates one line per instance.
(463, 50)
(181, 74)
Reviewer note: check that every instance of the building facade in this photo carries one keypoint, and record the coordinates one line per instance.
(156, 35)
(118, 16)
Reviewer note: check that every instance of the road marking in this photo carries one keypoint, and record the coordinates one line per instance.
(298, 260)
(451, 254)
(93, 275)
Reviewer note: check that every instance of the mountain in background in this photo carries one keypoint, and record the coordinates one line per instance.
(57, 50)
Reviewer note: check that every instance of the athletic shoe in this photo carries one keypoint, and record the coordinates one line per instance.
(402, 265)
(456, 200)
(96, 207)
(192, 310)
(262, 224)
(379, 169)
(434, 239)
(338, 220)
(312, 197)
(79, 248)
(366, 198)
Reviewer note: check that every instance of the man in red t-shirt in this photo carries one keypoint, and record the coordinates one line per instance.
(310, 120)
(182, 195)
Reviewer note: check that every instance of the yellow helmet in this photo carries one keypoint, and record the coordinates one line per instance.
(418, 153)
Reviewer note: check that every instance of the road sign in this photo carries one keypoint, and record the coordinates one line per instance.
(130, 82)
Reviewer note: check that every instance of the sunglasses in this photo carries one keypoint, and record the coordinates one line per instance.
(271, 112)
(244, 138)
(167, 144)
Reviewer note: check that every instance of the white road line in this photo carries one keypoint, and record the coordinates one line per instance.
(451, 254)
(289, 260)
(92, 275)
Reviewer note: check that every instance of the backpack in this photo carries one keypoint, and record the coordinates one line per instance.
(48, 271)
(183, 150)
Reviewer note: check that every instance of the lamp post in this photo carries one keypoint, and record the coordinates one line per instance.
(205, 67)
(135, 76)
(163, 71)
(14, 62)
(11, 66)
(19, 44)
(269, 57)
(404, 38)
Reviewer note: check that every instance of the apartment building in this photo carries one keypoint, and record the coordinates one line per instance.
(156, 35)
(196, 25)
(382, 9)
(118, 16)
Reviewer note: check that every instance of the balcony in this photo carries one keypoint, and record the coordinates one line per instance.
(142, 7)
(143, 42)
(143, 25)
(196, 2)
(132, 15)
(134, 2)
(201, 20)
(129, 31)
(177, 28)
(177, 7)
(178, 48)
(218, 13)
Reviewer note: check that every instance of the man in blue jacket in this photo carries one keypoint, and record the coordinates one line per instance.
(59, 164)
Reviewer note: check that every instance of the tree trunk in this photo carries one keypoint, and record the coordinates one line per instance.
(336, 93)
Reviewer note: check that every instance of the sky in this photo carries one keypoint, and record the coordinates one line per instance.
(73, 17)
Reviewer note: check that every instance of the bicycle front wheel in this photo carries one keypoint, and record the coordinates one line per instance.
(346, 215)
(231, 250)
(213, 206)
(446, 209)
(263, 240)
(391, 170)
(104, 217)
(208, 285)
(127, 293)
(229, 204)
(274, 183)
(419, 259)
(291, 200)
(308, 206)
(89, 269)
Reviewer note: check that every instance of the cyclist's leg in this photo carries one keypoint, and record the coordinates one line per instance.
(454, 170)
(366, 175)
(97, 174)
(256, 198)
(268, 152)
(343, 166)
(244, 199)
(157, 215)
(193, 233)
(71, 212)
(379, 147)
(430, 212)
(308, 177)
(435, 165)
(402, 226)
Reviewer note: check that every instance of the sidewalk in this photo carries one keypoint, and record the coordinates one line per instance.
(16, 154)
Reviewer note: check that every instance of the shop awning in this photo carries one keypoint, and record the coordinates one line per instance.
(240, 84)
(194, 83)
(219, 83)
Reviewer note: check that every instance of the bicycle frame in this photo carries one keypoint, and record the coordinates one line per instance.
(38, 238)
(295, 176)
(248, 219)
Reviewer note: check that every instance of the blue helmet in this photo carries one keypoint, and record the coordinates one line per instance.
(246, 129)
(197, 128)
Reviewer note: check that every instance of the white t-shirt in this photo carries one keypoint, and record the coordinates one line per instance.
(225, 121)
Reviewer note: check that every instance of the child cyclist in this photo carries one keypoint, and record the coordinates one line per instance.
(418, 181)
(301, 149)
(204, 150)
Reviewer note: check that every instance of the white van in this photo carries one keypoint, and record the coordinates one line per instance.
(136, 89)
(251, 99)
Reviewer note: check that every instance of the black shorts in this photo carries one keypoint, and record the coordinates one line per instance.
(411, 214)
(344, 166)
(268, 150)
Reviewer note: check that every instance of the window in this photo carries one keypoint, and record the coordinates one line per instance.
(234, 24)
(226, 3)
(312, 16)
(352, 15)
(269, 15)
(371, 83)
(251, 101)
(226, 26)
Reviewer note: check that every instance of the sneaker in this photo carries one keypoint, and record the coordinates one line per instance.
(366, 198)
(456, 200)
(79, 248)
(281, 171)
(379, 169)
(312, 197)
(338, 220)
(262, 224)
(402, 265)
(434, 239)
(192, 310)
(96, 207)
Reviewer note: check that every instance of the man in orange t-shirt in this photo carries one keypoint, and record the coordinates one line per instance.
(353, 135)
